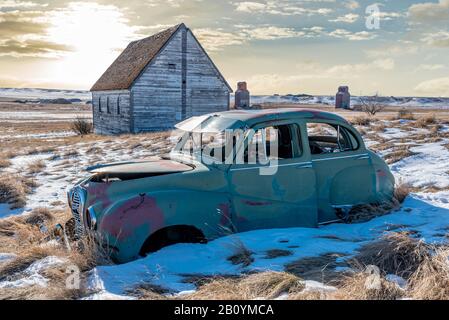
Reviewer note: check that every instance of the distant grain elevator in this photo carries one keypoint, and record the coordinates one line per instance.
(343, 98)
(157, 82)
(242, 96)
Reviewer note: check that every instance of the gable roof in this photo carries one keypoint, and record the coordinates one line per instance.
(122, 73)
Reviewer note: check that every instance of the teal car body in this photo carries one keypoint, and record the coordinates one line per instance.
(138, 207)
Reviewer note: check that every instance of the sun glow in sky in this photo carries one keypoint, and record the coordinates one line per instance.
(95, 34)
(283, 46)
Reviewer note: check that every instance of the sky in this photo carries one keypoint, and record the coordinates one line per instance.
(389, 47)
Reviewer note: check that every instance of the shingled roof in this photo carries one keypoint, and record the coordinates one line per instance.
(128, 66)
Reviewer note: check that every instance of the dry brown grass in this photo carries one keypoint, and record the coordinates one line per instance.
(379, 127)
(401, 191)
(405, 114)
(362, 121)
(425, 121)
(241, 254)
(4, 163)
(276, 253)
(14, 189)
(36, 167)
(362, 213)
(360, 287)
(430, 281)
(398, 153)
(267, 285)
(321, 268)
(395, 253)
(25, 237)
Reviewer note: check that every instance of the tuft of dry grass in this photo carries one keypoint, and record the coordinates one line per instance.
(39, 216)
(405, 114)
(362, 286)
(401, 191)
(4, 163)
(425, 121)
(430, 281)
(266, 285)
(14, 189)
(321, 268)
(379, 128)
(398, 154)
(241, 254)
(276, 253)
(395, 253)
(36, 167)
(362, 121)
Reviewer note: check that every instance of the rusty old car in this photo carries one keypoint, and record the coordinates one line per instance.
(323, 169)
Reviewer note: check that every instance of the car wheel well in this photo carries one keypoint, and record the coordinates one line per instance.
(171, 235)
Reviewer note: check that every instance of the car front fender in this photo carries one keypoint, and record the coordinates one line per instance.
(126, 224)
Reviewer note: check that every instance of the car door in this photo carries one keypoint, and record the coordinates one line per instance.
(286, 196)
(344, 172)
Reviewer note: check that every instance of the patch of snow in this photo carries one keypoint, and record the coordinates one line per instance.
(32, 274)
(399, 281)
(313, 286)
(32, 280)
(6, 257)
(429, 167)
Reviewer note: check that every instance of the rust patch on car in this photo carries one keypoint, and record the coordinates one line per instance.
(138, 212)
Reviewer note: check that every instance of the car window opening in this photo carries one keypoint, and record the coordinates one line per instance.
(327, 138)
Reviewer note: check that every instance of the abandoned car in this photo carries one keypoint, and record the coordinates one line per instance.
(323, 169)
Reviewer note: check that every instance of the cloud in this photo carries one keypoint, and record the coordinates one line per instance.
(347, 18)
(272, 33)
(393, 50)
(217, 39)
(280, 7)
(352, 4)
(33, 48)
(430, 67)
(437, 39)
(429, 11)
(438, 86)
(352, 36)
(248, 6)
(14, 4)
(388, 16)
(355, 70)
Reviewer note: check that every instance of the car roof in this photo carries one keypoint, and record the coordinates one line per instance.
(255, 116)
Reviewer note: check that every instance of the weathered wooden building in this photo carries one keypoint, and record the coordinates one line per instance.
(157, 82)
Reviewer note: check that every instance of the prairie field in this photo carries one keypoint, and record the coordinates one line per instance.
(41, 156)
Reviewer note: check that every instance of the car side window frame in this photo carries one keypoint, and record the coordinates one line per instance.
(349, 131)
(299, 150)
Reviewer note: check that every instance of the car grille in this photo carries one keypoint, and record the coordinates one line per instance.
(77, 207)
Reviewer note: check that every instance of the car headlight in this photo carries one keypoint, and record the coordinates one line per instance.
(91, 219)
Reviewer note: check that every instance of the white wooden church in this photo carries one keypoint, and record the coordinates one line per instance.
(157, 82)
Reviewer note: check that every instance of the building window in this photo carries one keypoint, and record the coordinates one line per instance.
(108, 108)
(99, 104)
(172, 67)
(118, 104)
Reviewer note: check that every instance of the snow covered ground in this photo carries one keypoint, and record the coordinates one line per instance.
(425, 213)
(434, 102)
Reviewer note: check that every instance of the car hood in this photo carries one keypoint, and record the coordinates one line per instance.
(153, 166)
